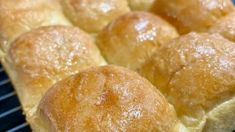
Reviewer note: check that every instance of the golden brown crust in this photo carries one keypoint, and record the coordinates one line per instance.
(192, 15)
(116, 100)
(130, 39)
(196, 73)
(93, 15)
(198, 88)
(20, 16)
(225, 26)
(46, 55)
(140, 4)
(182, 52)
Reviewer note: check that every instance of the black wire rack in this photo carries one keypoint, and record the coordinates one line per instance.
(11, 115)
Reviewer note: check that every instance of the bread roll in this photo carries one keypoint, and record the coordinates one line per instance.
(20, 16)
(93, 15)
(225, 26)
(192, 15)
(196, 72)
(140, 4)
(130, 39)
(38, 59)
(116, 100)
(196, 90)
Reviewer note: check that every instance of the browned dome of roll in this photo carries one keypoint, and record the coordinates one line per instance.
(225, 26)
(130, 39)
(140, 4)
(116, 100)
(196, 72)
(20, 16)
(39, 58)
(192, 15)
(93, 15)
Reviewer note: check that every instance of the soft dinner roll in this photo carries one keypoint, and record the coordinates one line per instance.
(93, 15)
(20, 16)
(39, 58)
(225, 27)
(140, 4)
(196, 72)
(130, 39)
(192, 15)
(116, 100)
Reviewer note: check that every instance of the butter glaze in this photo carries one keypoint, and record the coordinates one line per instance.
(130, 39)
(225, 27)
(46, 55)
(20, 16)
(192, 15)
(93, 15)
(195, 72)
(116, 100)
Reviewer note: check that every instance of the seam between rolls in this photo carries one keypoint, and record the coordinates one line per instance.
(179, 70)
(167, 94)
(219, 52)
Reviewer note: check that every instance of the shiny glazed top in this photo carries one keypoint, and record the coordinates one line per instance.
(20, 16)
(192, 15)
(196, 72)
(93, 15)
(130, 39)
(48, 54)
(225, 26)
(117, 100)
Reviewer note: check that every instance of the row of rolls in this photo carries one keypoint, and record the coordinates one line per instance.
(172, 64)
